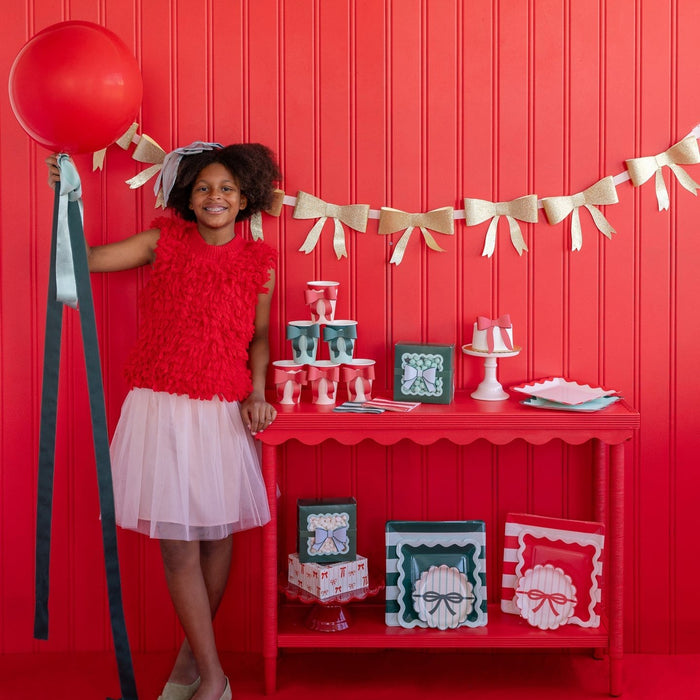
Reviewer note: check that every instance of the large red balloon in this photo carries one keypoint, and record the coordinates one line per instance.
(75, 87)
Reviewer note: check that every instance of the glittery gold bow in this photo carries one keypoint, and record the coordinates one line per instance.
(275, 209)
(479, 210)
(353, 215)
(685, 152)
(558, 208)
(124, 141)
(393, 220)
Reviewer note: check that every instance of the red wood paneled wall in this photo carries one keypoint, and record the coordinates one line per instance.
(415, 105)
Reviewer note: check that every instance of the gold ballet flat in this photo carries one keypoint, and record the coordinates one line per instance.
(178, 691)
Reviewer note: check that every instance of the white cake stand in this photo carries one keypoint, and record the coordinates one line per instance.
(490, 388)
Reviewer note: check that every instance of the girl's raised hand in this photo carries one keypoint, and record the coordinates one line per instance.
(54, 170)
(257, 414)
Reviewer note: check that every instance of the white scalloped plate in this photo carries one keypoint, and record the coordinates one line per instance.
(563, 391)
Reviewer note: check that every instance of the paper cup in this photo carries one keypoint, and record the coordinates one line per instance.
(323, 377)
(358, 375)
(305, 337)
(289, 377)
(340, 336)
(321, 296)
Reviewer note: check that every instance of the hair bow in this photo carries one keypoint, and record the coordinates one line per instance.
(558, 208)
(641, 169)
(479, 210)
(353, 215)
(393, 220)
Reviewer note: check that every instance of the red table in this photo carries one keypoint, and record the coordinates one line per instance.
(461, 422)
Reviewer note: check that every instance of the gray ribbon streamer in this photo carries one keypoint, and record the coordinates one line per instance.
(70, 191)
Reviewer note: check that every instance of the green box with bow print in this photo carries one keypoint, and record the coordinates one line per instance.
(424, 372)
(326, 530)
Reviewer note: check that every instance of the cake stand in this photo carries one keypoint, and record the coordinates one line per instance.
(490, 388)
(329, 614)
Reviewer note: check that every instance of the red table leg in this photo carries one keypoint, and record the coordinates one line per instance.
(616, 544)
(600, 503)
(269, 571)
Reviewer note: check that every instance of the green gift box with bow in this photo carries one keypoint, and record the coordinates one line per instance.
(424, 372)
(326, 529)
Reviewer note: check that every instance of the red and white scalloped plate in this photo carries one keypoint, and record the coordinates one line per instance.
(563, 391)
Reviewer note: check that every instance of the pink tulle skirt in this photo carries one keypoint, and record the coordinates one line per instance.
(185, 469)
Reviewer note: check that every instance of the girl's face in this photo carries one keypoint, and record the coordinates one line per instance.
(216, 197)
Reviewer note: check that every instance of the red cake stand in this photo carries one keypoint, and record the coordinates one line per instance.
(329, 614)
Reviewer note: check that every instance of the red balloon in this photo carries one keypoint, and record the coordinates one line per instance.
(75, 87)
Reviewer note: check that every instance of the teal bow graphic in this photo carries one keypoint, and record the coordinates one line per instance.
(332, 334)
(309, 335)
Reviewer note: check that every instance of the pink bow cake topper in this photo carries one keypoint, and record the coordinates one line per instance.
(502, 323)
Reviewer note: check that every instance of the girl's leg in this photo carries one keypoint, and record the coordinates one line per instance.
(215, 558)
(188, 591)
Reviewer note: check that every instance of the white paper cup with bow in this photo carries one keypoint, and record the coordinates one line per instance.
(341, 337)
(358, 375)
(289, 376)
(321, 297)
(323, 376)
(305, 337)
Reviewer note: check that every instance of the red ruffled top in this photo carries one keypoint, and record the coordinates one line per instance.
(198, 314)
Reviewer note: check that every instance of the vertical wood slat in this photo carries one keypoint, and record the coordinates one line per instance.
(414, 105)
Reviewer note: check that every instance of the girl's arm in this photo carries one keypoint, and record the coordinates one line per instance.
(256, 412)
(134, 251)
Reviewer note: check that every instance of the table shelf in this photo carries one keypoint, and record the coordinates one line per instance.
(368, 630)
(462, 422)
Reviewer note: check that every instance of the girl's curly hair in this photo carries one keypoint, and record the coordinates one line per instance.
(253, 165)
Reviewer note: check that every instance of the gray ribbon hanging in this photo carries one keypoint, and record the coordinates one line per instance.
(69, 283)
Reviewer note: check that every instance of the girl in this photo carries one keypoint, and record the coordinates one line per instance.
(184, 465)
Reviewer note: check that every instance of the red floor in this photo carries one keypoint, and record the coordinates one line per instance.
(403, 675)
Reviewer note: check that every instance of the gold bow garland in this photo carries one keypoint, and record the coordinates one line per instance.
(353, 215)
(393, 220)
(641, 169)
(558, 208)
(275, 209)
(148, 151)
(476, 211)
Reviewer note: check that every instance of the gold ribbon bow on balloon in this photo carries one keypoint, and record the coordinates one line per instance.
(393, 220)
(558, 208)
(685, 152)
(353, 215)
(477, 211)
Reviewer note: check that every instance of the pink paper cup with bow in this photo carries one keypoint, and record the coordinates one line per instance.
(320, 297)
(289, 377)
(323, 376)
(358, 376)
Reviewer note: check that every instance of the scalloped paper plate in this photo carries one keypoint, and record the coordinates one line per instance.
(563, 391)
(585, 407)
